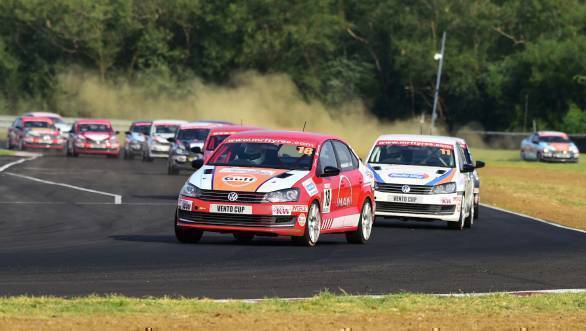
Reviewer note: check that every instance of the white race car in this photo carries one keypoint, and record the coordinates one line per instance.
(423, 178)
(549, 146)
(156, 143)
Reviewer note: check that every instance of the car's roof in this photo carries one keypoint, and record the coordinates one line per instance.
(41, 114)
(200, 125)
(285, 136)
(231, 129)
(168, 122)
(552, 134)
(93, 121)
(421, 138)
(35, 119)
(145, 122)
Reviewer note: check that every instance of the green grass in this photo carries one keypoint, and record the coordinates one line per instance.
(6, 152)
(324, 303)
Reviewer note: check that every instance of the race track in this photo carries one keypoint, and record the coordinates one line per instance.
(56, 240)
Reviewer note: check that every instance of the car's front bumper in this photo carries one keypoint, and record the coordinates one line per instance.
(276, 219)
(444, 207)
(560, 157)
(183, 161)
(100, 150)
(44, 145)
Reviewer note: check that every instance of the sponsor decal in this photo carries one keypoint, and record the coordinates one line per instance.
(185, 204)
(299, 209)
(252, 171)
(282, 210)
(232, 196)
(344, 198)
(301, 219)
(414, 143)
(310, 187)
(271, 141)
(238, 181)
(327, 223)
(446, 201)
(408, 175)
(327, 200)
(231, 209)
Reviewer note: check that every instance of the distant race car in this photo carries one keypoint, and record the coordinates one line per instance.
(274, 183)
(92, 137)
(156, 144)
(423, 178)
(218, 134)
(60, 124)
(187, 145)
(135, 139)
(34, 133)
(549, 146)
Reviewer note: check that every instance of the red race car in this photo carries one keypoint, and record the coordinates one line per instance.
(278, 183)
(34, 132)
(93, 137)
(217, 136)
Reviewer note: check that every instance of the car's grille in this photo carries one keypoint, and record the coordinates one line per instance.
(222, 196)
(236, 220)
(414, 208)
(398, 188)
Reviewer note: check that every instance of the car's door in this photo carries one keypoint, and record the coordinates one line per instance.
(328, 186)
(12, 132)
(534, 145)
(468, 178)
(347, 200)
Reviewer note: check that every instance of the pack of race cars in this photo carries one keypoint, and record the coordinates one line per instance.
(252, 182)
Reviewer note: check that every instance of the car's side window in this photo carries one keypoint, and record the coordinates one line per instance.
(327, 157)
(461, 156)
(344, 156)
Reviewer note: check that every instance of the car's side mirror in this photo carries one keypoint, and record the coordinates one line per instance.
(330, 171)
(171, 140)
(197, 163)
(117, 132)
(480, 164)
(467, 168)
(127, 133)
(196, 150)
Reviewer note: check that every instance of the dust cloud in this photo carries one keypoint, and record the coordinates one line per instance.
(270, 101)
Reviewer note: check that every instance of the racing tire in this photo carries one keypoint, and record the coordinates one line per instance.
(74, 153)
(523, 157)
(125, 155)
(187, 236)
(146, 157)
(8, 144)
(469, 221)
(539, 157)
(476, 211)
(312, 227)
(243, 237)
(20, 145)
(459, 225)
(171, 170)
(362, 233)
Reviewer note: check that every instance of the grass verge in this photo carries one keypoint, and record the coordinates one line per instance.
(550, 191)
(326, 311)
(6, 152)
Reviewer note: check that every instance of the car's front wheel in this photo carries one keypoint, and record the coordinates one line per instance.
(469, 221)
(187, 235)
(171, 170)
(459, 225)
(362, 233)
(312, 227)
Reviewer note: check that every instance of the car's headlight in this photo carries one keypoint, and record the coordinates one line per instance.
(574, 149)
(287, 195)
(190, 190)
(444, 188)
(114, 139)
(180, 150)
(548, 150)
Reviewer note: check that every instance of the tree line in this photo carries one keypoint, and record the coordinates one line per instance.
(502, 56)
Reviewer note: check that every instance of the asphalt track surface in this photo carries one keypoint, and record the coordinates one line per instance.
(60, 241)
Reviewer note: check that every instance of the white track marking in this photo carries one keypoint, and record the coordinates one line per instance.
(532, 218)
(8, 165)
(117, 197)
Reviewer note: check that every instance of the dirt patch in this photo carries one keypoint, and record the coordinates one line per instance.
(550, 194)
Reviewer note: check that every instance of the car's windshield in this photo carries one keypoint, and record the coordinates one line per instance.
(264, 155)
(417, 154)
(38, 124)
(94, 127)
(142, 128)
(193, 134)
(166, 129)
(554, 139)
(215, 141)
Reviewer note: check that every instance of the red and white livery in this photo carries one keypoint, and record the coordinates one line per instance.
(92, 137)
(274, 183)
(34, 133)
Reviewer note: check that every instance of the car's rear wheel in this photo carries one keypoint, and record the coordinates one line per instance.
(187, 235)
(8, 144)
(171, 170)
(459, 225)
(362, 233)
(20, 145)
(243, 237)
(146, 157)
(469, 221)
(312, 227)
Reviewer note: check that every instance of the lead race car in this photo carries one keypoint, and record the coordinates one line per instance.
(549, 146)
(278, 183)
(92, 137)
(423, 178)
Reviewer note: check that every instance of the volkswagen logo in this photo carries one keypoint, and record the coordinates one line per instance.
(406, 189)
(232, 196)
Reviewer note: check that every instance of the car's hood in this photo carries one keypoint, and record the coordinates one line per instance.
(63, 127)
(245, 179)
(558, 147)
(136, 136)
(191, 143)
(412, 175)
(97, 136)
